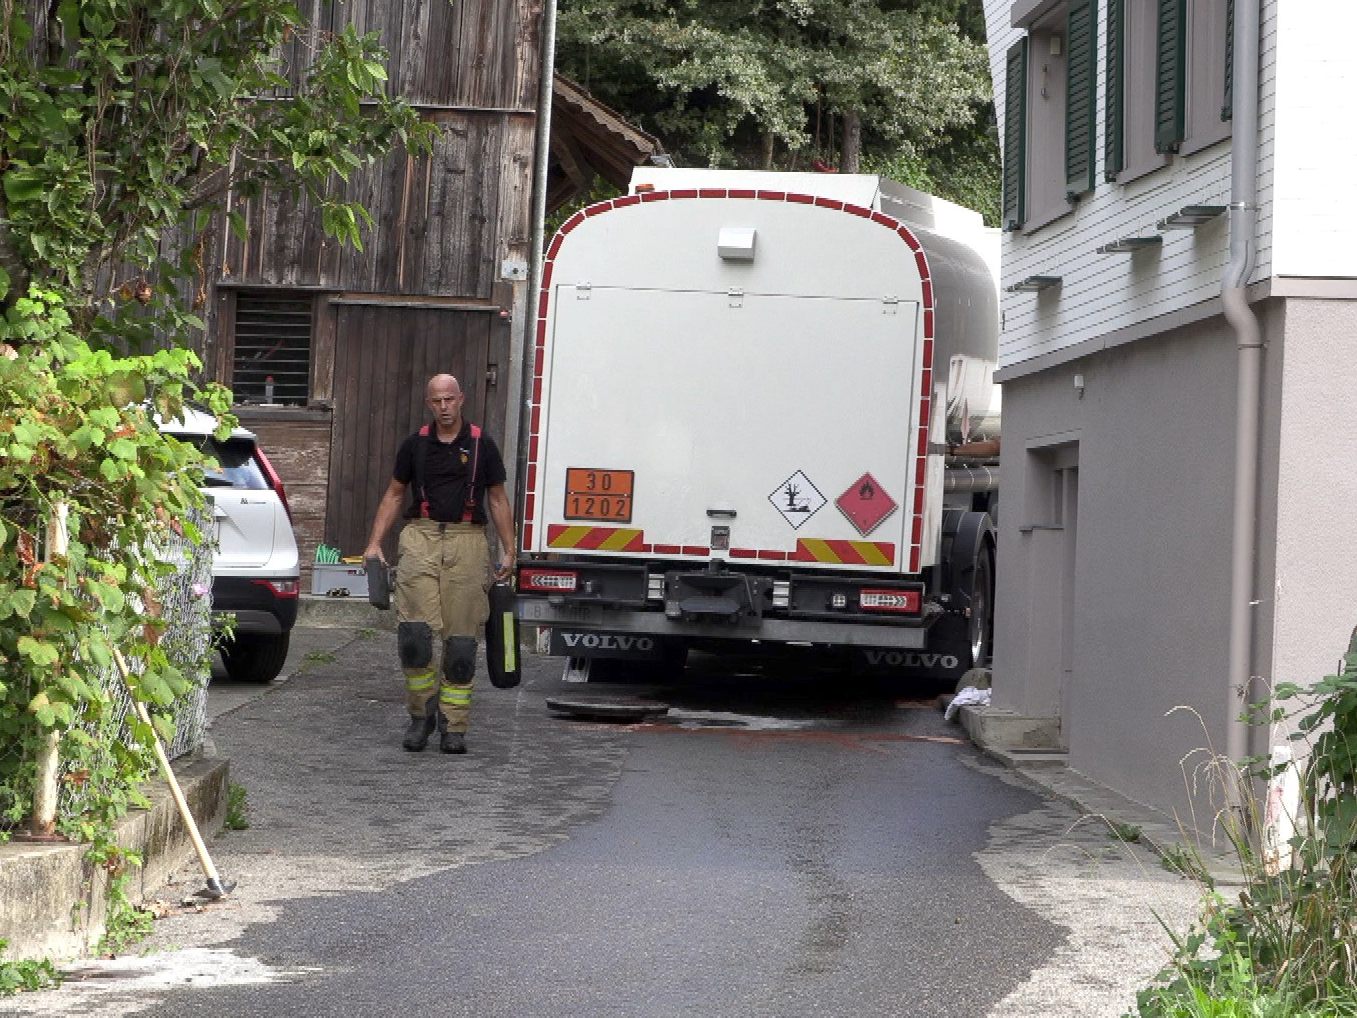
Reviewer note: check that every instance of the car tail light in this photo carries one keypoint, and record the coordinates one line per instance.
(548, 581)
(275, 482)
(899, 602)
(281, 588)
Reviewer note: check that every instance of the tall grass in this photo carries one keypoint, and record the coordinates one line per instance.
(1286, 943)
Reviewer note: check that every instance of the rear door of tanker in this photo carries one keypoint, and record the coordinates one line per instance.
(754, 426)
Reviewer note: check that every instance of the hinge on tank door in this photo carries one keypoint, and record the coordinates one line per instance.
(735, 298)
(889, 304)
(582, 291)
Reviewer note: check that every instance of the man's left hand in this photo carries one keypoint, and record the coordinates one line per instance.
(505, 568)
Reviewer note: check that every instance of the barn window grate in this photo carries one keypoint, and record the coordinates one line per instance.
(272, 362)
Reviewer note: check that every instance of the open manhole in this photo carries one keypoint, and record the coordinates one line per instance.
(605, 708)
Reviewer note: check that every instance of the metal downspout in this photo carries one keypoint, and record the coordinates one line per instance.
(1248, 334)
(528, 329)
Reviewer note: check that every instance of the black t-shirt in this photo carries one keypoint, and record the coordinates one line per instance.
(447, 468)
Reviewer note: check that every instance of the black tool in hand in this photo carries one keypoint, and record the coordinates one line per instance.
(379, 583)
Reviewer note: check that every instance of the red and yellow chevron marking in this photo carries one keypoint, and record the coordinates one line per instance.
(847, 553)
(595, 538)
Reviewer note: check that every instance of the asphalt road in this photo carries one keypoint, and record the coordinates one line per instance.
(775, 845)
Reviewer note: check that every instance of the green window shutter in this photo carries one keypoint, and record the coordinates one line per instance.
(1081, 96)
(1170, 74)
(1114, 87)
(1015, 135)
(1227, 110)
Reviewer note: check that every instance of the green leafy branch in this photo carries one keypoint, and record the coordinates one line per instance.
(77, 430)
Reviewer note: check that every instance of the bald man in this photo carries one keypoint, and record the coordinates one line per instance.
(455, 476)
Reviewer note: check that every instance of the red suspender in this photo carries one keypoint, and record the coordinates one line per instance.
(469, 508)
(421, 467)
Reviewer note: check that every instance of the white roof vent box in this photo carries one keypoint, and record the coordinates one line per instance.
(736, 243)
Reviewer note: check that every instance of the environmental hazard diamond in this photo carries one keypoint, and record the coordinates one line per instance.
(866, 504)
(797, 499)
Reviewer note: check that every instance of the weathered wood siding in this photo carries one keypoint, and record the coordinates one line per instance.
(442, 223)
(383, 358)
(299, 449)
(480, 53)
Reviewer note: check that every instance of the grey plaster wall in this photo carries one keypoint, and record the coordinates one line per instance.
(1147, 623)
(1314, 588)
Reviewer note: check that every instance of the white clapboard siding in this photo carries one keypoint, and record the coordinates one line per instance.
(1316, 90)
(1100, 294)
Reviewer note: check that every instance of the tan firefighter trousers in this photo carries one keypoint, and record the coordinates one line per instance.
(442, 578)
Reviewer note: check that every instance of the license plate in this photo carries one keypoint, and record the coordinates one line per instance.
(601, 495)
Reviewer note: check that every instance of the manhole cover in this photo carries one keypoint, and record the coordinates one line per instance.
(605, 708)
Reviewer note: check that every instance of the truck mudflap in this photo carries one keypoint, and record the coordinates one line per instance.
(946, 658)
(601, 622)
(586, 643)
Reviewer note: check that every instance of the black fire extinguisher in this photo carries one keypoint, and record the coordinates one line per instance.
(501, 638)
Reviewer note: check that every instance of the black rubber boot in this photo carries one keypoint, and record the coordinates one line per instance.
(452, 742)
(417, 735)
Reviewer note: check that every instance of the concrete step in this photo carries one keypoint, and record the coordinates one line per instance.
(54, 901)
(318, 611)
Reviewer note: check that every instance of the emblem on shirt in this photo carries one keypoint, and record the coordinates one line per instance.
(464, 456)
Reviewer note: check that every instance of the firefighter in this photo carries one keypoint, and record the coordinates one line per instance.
(455, 476)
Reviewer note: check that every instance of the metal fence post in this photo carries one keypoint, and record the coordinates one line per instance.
(45, 783)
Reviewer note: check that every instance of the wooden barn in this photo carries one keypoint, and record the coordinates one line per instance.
(327, 348)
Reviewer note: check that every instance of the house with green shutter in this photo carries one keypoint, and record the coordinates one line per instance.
(1178, 357)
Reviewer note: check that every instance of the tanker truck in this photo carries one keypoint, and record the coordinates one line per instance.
(743, 390)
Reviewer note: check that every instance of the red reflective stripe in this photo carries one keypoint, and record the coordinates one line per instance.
(846, 552)
(595, 537)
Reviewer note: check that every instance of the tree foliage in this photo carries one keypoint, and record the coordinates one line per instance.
(76, 433)
(775, 83)
(127, 119)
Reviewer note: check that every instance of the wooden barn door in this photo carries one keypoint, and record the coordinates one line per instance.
(383, 357)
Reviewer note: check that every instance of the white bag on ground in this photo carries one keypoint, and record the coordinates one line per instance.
(970, 696)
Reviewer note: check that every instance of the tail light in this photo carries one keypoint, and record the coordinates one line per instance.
(896, 602)
(281, 588)
(275, 482)
(548, 581)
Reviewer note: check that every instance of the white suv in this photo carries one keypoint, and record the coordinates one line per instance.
(255, 568)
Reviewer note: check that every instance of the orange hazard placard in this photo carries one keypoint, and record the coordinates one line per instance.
(593, 494)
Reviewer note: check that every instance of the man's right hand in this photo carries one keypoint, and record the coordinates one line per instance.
(374, 551)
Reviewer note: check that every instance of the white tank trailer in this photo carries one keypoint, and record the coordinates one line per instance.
(743, 387)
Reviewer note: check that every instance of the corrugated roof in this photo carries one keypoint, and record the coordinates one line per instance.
(589, 138)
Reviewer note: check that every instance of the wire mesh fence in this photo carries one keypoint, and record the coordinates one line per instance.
(90, 753)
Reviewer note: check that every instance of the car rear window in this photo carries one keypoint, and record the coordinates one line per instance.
(235, 467)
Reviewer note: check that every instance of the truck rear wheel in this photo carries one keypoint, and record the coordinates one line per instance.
(980, 625)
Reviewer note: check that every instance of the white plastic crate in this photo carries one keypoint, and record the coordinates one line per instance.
(327, 579)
